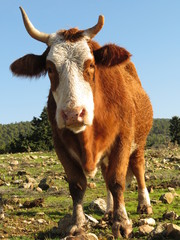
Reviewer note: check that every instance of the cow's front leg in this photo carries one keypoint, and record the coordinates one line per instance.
(115, 179)
(77, 191)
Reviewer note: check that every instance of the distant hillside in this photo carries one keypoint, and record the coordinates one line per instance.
(10, 132)
(159, 134)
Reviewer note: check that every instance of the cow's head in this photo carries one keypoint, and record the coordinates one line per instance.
(70, 62)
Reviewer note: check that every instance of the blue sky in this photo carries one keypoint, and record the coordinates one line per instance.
(150, 30)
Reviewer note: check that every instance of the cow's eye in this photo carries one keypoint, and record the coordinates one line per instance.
(91, 65)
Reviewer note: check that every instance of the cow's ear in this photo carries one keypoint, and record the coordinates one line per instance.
(30, 65)
(111, 55)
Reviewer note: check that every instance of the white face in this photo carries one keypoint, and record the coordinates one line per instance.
(72, 93)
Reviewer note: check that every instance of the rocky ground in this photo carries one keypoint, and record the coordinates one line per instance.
(35, 201)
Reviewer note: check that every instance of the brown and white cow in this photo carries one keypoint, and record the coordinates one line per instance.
(99, 113)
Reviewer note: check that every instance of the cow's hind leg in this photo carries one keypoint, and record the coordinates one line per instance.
(137, 164)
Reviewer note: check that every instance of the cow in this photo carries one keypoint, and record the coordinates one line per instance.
(99, 113)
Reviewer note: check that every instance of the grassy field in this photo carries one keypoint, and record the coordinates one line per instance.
(41, 221)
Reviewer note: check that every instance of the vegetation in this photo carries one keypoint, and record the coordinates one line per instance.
(36, 135)
(175, 130)
(19, 184)
(159, 134)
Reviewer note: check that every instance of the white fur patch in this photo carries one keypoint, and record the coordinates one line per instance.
(143, 197)
(110, 204)
(73, 91)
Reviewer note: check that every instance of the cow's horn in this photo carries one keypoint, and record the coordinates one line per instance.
(33, 32)
(91, 32)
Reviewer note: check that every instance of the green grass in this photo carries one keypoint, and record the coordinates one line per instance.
(56, 205)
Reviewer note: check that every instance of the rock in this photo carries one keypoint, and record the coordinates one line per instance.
(38, 189)
(34, 157)
(91, 185)
(45, 183)
(53, 189)
(2, 215)
(91, 236)
(170, 189)
(2, 182)
(41, 221)
(14, 163)
(173, 231)
(21, 173)
(158, 232)
(110, 237)
(30, 179)
(148, 221)
(145, 229)
(91, 219)
(170, 215)
(98, 205)
(40, 213)
(33, 203)
(15, 200)
(88, 236)
(28, 186)
(167, 198)
(150, 189)
(17, 181)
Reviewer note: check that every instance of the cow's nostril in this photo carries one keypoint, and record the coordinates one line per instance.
(82, 113)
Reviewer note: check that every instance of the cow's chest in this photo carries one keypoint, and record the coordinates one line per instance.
(88, 157)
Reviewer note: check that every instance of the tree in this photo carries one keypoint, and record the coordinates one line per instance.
(41, 138)
(174, 129)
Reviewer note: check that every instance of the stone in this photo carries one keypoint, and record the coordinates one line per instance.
(170, 215)
(148, 221)
(170, 189)
(21, 173)
(28, 186)
(91, 185)
(159, 231)
(173, 231)
(145, 229)
(91, 236)
(34, 203)
(91, 219)
(41, 221)
(38, 189)
(53, 189)
(34, 157)
(98, 205)
(2, 216)
(30, 179)
(150, 189)
(167, 198)
(45, 183)
(14, 163)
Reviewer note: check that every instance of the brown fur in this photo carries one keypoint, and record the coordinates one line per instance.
(30, 65)
(122, 116)
(72, 35)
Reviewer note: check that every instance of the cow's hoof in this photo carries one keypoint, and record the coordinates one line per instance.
(144, 209)
(108, 216)
(74, 230)
(121, 230)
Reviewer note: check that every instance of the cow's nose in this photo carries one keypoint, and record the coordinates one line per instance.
(73, 116)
